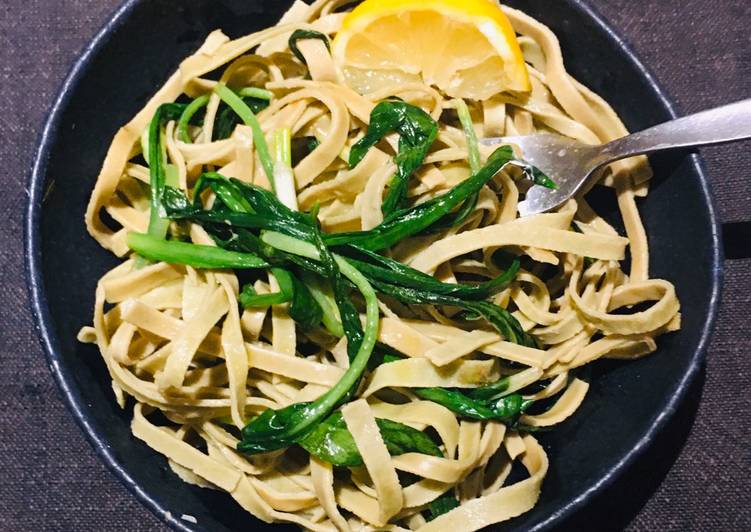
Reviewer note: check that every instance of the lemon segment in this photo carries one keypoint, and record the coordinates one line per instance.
(466, 48)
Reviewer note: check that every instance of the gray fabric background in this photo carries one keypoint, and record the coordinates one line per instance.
(696, 478)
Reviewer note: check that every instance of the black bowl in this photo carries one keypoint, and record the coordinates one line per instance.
(134, 53)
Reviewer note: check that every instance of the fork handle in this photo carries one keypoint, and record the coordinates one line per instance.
(728, 123)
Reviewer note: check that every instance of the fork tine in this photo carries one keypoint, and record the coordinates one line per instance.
(526, 209)
(566, 161)
(539, 199)
(497, 141)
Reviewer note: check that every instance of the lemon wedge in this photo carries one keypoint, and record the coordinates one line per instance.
(466, 48)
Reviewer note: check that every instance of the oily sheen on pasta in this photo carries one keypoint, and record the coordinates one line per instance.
(196, 366)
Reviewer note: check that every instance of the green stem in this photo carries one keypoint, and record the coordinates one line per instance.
(171, 179)
(255, 92)
(284, 178)
(160, 173)
(158, 222)
(469, 131)
(353, 374)
(329, 400)
(283, 145)
(292, 245)
(250, 299)
(249, 118)
(228, 193)
(198, 256)
(325, 298)
(182, 125)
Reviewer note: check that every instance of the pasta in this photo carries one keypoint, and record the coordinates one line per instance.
(425, 439)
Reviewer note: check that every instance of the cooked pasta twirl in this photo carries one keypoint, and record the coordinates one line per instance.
(328, 306)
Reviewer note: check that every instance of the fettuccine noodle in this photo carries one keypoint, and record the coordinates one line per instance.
(198, 366)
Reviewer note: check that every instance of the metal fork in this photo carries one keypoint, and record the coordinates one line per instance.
(571, 163)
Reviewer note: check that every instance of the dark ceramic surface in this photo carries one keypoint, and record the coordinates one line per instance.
(628, 403)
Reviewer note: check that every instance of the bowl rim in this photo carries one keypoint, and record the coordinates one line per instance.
(72, 396)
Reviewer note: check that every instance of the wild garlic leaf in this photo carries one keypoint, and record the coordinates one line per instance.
(227, 119)
(276, 429)
(332, 442)
(506, 409)
(417, 131)
(411, 221)
(301, 35)
(303, 307)
(443, 504)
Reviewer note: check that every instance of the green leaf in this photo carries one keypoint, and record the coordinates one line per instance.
(379, 268)
(266, 203)
(349, 315)
(301, 34)
(416, 219)
(332, 442)
(312, 144)
(475, 164)
(456, 218)
(249, 298)
(417, 131)
(506, 409)
(239, 205)
(490, 390)
(229, 194)
(175, 201)
(244, 111)
(303, 307)
(443, 504)
(401, 439)
(388, 276)
(227, 119)
(158, 222)
(501, 319)
(277, 429)
(536, 175)
(498, 317)
(481, 407)
(261, 210)
(324, 295)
